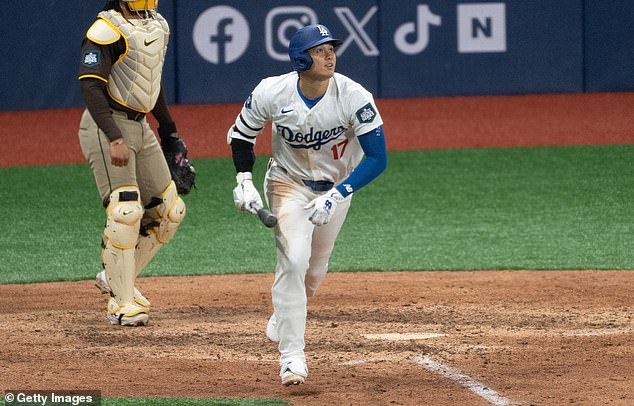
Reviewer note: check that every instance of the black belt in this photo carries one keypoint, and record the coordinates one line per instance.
(132, 115)
(315, 185)
(319, 185)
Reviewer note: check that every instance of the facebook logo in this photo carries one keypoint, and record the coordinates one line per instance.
(221, 35)
(481, 27)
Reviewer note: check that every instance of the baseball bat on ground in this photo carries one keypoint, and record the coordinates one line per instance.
(267, 218)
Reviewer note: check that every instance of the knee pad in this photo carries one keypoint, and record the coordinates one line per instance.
(167, 214)
(124, 213)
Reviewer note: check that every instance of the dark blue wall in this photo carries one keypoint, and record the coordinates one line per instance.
(609, 45)
(41, 52)
(409, 48)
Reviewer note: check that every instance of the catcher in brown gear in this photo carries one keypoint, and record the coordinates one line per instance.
(139, 180)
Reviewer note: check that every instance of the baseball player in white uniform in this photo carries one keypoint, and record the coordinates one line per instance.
(323, 124)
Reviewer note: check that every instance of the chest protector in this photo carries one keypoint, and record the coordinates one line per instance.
(135, 78)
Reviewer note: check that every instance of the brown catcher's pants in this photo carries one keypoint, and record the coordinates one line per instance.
(146, 169)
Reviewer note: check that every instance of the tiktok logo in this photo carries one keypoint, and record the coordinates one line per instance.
(221, 35)
(420, 29)
(481, 28)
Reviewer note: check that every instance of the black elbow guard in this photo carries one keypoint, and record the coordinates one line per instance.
(243, 155)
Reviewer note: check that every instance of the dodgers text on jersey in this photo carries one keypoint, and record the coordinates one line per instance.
(311, 139)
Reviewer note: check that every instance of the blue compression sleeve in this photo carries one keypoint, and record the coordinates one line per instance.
(375, 162)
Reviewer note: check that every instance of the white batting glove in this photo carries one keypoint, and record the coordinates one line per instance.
(245, 195)
(324, 207)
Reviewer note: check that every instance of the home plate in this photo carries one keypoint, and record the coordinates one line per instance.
(401, 336)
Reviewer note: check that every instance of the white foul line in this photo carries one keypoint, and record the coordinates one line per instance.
(402, 336)
(474, 386)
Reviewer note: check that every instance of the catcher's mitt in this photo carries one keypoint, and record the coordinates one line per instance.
(182, 170)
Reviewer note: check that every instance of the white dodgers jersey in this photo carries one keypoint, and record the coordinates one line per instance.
(318, 143)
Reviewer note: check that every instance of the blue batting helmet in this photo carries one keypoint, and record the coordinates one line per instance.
(305, 38)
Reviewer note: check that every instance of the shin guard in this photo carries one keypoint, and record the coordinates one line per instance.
(124, 214)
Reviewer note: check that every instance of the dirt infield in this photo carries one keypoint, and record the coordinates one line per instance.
(411, 338)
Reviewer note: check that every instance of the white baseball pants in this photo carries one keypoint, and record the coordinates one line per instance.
(303, 251)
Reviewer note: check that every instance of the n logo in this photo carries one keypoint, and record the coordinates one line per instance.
(482, 27)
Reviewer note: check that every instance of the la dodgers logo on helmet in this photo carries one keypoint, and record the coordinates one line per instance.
(323, 30)
(305, 38)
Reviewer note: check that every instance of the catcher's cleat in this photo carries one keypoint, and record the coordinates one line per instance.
(271, 329)
(129, 314)
(293, 372)
(101, 282)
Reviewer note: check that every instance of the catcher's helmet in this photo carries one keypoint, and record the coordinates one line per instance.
(305, 38)
(142, 5)
(133, 5)
(138, 6)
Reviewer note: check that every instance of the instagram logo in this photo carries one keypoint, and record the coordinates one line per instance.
(281, 23)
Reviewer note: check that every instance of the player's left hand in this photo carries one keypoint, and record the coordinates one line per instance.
(182, 171)
(323, 207)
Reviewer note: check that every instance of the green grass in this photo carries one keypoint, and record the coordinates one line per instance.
(460, 209)
(512, 208)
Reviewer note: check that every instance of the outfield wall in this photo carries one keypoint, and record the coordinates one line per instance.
(398, 49)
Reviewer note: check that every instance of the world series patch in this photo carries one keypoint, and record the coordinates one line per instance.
(366, 114)
(91, 58)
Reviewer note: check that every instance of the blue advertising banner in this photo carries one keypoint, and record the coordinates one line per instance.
(224, 51)
(609, 45)
(220, 51)
(439, 47)
(41, 47)
(41, 53)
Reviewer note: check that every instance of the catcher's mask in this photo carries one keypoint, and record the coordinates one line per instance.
(305, 38)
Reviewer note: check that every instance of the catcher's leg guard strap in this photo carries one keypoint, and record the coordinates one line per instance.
(124, 213)
(166, 217)
(168, 214)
